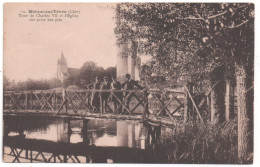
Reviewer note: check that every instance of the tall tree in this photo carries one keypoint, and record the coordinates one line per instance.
(191, 39)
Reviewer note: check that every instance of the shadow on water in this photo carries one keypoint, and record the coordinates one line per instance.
(45, 139)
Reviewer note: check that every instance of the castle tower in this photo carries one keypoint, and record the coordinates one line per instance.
(122, 61)
(126, 61)
(132, 59)
(131, 66)
(62, 68)
(137, 68)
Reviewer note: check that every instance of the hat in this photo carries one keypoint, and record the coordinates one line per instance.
(127, 75)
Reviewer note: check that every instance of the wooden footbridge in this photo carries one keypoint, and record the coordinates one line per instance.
(166, 107)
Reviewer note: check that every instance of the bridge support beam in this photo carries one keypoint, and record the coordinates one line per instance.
(85, 125)
(26, 100)
(64, 100)
(69, 130)
(31, 98)
(186, 100)
(188, 106)
(84, 131)
(54, 101)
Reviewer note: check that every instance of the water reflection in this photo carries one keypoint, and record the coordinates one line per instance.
(98, 133)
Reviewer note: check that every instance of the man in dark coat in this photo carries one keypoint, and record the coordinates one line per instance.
(130, 84)
(104, 95)
(116, 85)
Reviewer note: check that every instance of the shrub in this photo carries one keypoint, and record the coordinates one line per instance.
(196, 143)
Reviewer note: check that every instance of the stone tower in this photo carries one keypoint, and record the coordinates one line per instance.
(62, 68)
(121, 61)
(127, 61)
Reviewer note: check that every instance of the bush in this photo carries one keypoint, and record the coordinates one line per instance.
(196, 143)
(31, 84)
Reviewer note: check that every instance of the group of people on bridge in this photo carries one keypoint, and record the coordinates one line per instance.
(99, 100)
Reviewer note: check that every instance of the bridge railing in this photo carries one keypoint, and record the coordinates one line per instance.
(170, 103)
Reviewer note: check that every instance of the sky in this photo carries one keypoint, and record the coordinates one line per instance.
(31, 48)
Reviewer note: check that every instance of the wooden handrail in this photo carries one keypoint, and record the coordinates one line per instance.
(66, 101)
(93, 90)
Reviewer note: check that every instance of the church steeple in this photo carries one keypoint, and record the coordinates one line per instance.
(62, 60)
(62, 68)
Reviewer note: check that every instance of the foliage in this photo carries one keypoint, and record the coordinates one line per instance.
(31, 84)
(71, 80)
(6, 81)
(189, 39)
(87, 75)
(196, 143)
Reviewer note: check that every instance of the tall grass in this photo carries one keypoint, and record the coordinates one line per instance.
(196, 143)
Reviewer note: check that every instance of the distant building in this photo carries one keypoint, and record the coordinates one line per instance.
(63, 71)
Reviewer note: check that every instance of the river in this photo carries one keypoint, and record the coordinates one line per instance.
(91, 141)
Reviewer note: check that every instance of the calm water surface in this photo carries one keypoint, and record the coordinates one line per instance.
(99, 133)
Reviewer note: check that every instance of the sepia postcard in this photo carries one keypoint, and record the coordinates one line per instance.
(160, 83)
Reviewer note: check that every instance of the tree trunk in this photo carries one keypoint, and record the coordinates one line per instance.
(227, 100)
(242, 113)
(186, 100)
(213, 109)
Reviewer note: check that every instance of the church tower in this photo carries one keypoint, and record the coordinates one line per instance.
(62, 68)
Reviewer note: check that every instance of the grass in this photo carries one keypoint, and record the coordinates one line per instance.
(201, 144)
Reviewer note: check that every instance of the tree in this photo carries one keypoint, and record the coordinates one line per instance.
(110, 72)
(6, 82)
(87, 73)
(191, 39)
(70, 80)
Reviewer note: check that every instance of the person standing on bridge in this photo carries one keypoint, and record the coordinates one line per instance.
(95, 99)
(130, 84)
(104, 95)
(116, 85)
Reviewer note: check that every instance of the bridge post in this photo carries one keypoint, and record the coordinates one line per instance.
(64, 100)
(31, 156)
(188, 107)
(146, 106)
(85, 125)
(4, 101)
(84, 131)
(69, 130)
(101, 103)
(65, 158)
(186, 100)
(26, 101)
(31, 97)
(54, 100)
(26, 154)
